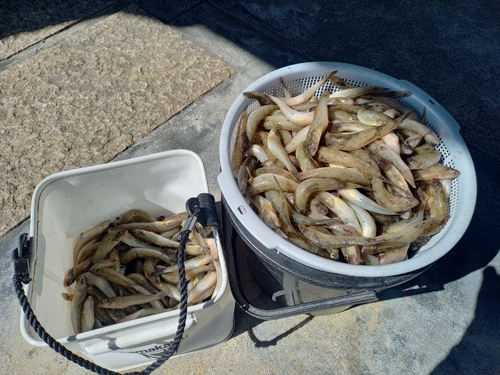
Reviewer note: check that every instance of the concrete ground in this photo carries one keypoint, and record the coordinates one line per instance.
(83, 83)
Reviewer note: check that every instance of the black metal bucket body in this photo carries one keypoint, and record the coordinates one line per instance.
(289, 287)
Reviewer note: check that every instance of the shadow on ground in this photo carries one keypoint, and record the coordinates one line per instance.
(479, 350)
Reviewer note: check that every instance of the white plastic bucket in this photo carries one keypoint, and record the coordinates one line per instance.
(66, 203)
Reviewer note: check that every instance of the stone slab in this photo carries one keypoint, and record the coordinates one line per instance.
(88, 98)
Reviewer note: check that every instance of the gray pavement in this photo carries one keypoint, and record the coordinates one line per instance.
(444, 321)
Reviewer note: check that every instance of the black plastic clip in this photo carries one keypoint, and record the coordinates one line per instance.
(22, 259)
(207, 216)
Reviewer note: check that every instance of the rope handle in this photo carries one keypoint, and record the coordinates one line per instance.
(20, 258)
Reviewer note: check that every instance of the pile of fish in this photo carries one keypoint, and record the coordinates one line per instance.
(347, 173)
(126, 268)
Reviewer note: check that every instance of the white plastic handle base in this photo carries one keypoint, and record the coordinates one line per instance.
(138, 338)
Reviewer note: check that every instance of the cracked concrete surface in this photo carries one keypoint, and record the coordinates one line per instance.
(443, 322)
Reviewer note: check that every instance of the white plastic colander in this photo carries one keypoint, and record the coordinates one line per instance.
(454, 154)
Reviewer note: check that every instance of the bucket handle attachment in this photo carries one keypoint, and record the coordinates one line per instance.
(284, 292)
